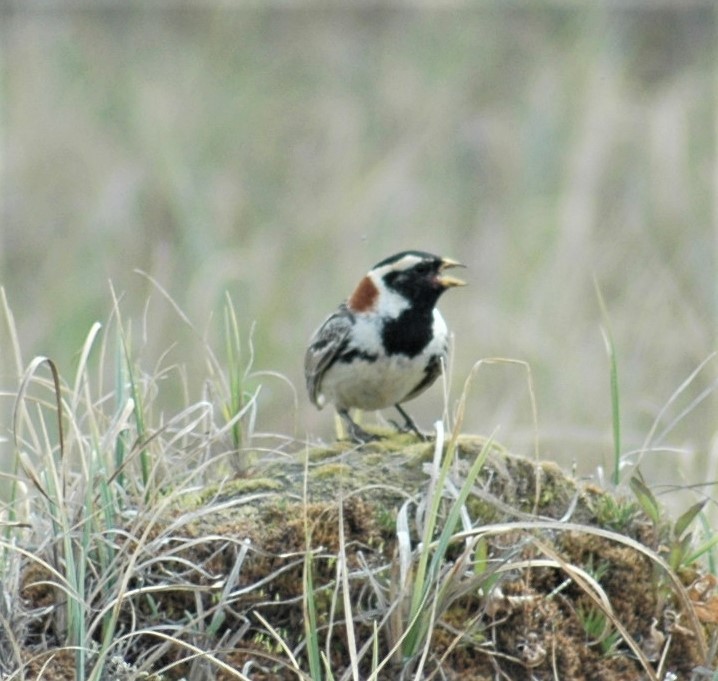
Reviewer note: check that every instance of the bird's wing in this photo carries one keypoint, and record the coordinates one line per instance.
(432, 371)
(326, 343)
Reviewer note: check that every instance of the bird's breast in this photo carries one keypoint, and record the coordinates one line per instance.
(367, 377)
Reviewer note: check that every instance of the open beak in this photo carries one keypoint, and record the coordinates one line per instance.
(446, 280)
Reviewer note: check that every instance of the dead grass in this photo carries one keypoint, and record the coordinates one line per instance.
(133, 547)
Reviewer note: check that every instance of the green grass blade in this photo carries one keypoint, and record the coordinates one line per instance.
(615, 392)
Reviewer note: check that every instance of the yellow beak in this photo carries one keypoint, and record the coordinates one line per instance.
(446, 280)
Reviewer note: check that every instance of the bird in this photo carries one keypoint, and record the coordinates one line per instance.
(386, 344)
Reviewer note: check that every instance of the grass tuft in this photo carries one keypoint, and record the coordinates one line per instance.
(162, 544)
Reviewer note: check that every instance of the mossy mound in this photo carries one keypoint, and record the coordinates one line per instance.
(233, 558)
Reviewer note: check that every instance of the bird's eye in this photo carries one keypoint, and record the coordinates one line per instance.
(422, 268)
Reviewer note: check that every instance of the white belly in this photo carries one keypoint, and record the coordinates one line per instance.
(375, 385)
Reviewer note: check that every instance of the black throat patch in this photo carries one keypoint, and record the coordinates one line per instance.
(409, 333)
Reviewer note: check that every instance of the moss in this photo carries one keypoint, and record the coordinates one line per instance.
(482, 509)
(516, 608)
(226, 490)
(319, 454)
(331, 470)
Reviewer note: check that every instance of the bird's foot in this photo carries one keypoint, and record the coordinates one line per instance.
(361, 436)
(409, 425)
(406, 428)
(356, 432)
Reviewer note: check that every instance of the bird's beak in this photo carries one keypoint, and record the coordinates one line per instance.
(446, 280)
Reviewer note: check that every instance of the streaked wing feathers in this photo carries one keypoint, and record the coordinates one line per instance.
(324, 346)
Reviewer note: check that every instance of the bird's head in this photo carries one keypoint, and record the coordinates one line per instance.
(411, 278)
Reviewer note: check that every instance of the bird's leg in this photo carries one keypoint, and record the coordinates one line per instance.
(409, 424)
(355, 431)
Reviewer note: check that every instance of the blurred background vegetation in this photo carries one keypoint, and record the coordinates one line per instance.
(277, 152)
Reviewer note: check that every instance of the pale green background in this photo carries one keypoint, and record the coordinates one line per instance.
(277, 153)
